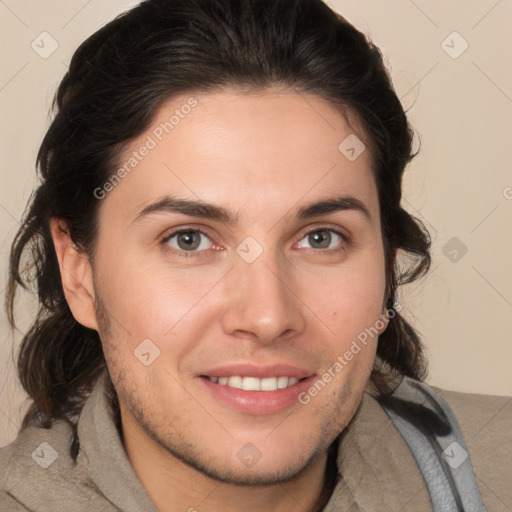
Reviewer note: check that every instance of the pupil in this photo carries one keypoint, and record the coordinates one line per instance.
(319, 234)
(188, 238)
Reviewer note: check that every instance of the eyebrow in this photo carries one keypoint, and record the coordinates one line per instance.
(204, 210)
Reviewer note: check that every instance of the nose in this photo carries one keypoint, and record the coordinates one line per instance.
(263, 301)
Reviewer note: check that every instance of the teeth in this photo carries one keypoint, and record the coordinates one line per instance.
(270, 383)
(282, 382)
(235, 382)
(256, 384)
(250, 384)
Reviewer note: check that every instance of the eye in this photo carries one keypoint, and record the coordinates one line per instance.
(188, 240)
(323, 238)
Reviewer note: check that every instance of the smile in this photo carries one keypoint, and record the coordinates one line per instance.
(255, 383)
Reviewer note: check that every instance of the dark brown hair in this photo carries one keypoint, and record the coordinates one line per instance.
(117, 80)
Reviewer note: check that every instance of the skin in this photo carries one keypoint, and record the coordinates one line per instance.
(261, 156)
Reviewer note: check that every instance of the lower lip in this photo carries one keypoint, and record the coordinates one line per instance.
(257, 402)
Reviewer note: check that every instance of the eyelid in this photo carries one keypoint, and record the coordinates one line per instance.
(313, 229)
(338, 230)
(184, 229)
(199, 229)
(345, 239)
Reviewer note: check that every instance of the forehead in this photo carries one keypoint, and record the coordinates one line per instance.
(261, 150)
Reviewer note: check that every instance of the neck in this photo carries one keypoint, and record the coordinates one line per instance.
(175, 485)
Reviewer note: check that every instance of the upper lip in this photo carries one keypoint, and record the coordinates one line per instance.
(250, 370)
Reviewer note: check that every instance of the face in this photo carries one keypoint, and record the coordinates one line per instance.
(255, 287)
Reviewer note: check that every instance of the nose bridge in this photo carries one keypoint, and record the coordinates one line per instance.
(261, 300)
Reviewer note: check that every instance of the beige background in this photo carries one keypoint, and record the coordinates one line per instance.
(460, 185)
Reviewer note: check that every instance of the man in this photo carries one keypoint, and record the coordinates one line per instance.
(218, 224)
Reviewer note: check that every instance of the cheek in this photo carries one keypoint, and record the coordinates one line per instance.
(159, 301)
(349, 303)
(348, 299)
(169, 306)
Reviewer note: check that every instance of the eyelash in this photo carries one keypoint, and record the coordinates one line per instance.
(182, 254)
(188, 254)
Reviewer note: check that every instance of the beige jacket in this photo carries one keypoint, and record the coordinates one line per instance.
(378, 471)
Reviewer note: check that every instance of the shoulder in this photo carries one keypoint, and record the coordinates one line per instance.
(461, 441)
(486, 423)
(478, 413)
(9, 504)
(37, 447)
(33, 448)
(37, 468)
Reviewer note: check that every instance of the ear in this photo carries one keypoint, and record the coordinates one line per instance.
(76, 275)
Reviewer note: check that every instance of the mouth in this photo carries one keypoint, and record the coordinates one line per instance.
(254, 395)
(255, 383)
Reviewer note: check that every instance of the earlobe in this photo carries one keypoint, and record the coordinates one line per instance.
(76, 275)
